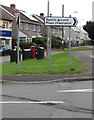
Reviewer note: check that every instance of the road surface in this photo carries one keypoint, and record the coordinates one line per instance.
(52, 100)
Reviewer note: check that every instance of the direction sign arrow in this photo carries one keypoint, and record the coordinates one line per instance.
(61, 21)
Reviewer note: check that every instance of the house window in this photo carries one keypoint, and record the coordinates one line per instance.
(58, 31)
(3, 42)
(53, 30)
(6, 24)
(22, 39)
(38, 28)
(27, 26)
(34, 28)
(64, 32)
(29, 39)
(21, 26)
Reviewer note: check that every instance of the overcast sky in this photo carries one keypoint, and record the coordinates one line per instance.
(83, 7)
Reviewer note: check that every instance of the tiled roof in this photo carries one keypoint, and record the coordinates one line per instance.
(39, 18)
(23, 17)
(5, 15)
(28, 35)
(12, 11)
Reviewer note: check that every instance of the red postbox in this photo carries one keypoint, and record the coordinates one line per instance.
(33, 52)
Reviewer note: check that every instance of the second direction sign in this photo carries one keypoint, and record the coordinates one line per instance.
(61, 21)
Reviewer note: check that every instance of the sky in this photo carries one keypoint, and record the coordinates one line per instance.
(83, 8)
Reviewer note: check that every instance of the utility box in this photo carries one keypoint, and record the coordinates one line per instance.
(40, 53)
(33, 52)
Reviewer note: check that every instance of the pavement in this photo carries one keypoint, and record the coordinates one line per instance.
(84, 56)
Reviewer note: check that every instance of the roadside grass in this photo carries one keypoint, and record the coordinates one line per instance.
(75, 48)
(79, 48)
(34, 66)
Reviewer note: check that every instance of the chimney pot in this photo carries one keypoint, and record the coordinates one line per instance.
(13, 6)
(42, 14)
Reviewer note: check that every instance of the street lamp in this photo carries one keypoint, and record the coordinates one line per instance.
(73, 12)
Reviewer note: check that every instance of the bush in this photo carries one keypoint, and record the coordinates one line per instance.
(56, 42)
(40, 42)
(25, 45)
(88, 42)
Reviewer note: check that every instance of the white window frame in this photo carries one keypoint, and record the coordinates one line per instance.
(27, 26)
(53, 30)
(34, 28)
(29, 39)
(21, 26)
(39, 29)
(58, 31)
(6, 24)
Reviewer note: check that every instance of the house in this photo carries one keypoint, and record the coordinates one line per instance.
(6, 22)
(55, 31)
(75, 35)
(29, 28)
(78, 35)
(83, 35)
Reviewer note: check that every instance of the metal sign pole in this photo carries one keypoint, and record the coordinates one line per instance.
(18, 26)
(50, 58)
(49, 48)
(69, 55)
(49, 43)
(48, 32)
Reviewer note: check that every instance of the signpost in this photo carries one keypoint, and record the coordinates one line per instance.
(64, 22)
(61, 21)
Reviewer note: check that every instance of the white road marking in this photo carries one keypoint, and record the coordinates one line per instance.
(77, 90)
(30, 102)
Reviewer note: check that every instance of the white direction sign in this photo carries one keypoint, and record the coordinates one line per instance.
(61, 21)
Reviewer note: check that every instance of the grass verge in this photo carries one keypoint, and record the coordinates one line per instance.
(34, 66)
(76, 48)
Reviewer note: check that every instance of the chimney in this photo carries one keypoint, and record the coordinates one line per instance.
(13, 6)
(42, 15)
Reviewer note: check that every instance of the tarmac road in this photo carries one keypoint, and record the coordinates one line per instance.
(76, 98)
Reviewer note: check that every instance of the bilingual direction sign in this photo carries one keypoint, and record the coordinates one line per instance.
(61, 21)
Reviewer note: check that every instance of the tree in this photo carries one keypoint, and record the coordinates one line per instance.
(89, 28)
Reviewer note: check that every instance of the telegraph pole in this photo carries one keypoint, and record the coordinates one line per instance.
(62, 16)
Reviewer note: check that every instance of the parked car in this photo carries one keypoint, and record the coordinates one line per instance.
(5, 50)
